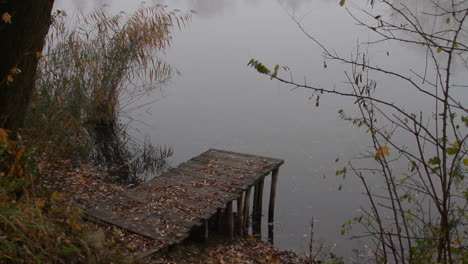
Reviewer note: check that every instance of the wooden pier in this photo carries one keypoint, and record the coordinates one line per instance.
(199, 194)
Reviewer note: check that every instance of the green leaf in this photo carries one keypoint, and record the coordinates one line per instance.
(275, 72)
(340, 187)
(452, 151)
(402, 181)
(413, 166)
(409, 218)
(439, 49)
(342, 2)
(453, 115)
(465, 162)
(434, 161)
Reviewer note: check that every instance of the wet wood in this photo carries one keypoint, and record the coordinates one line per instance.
(230, 220)
(167, 208)
(246, 210)
(240, 215)
(259, 198)
(271, 207)
(205, 229)
(219, 221)
(257, 209)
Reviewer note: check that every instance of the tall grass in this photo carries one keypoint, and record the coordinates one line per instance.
(90, 63)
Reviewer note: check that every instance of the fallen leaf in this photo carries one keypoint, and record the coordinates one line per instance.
(6, 17)
(3, 136)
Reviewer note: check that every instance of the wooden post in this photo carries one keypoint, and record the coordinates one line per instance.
(246, 210)
(255, 201)
(271, 233)
(230, 220)
(240, 214)
(260, 196)
(205, 229)
(257, 213)
(219, 221)
(271, 209)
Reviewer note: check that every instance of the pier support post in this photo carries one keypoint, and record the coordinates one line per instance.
(257, 212)
(219, 221)
(245, 225)
(205, 229)
(240, 214)
(271, 209)
(230, 220)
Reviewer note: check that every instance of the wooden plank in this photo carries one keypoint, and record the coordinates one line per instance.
(228, 187)
(197, 169)
(239, 154)
(221, 170)
(257, 166)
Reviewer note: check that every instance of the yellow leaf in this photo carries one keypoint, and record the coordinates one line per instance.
(56, 196)
(447, 20)
(39, 55)
(40, 203)
(342, 2)
(3, 136)
(465, 161)
(15, 70)
(10, 79)
(6, 17)
(439, 49)
(381, 152)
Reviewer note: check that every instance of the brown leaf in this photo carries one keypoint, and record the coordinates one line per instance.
(3, 136)
(6, 17)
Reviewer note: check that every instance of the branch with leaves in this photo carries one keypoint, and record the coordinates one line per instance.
(420, 213)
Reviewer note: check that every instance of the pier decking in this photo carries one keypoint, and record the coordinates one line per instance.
(167, 208)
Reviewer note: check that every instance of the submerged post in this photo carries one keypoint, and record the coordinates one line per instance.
(240, 214)
(219, 221)
(260, 197)
(230, 220)
(257, 212)
(205, 229)
(245, 225)
(271, 209)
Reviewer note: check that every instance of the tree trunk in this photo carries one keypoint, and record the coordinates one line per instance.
(20, 42)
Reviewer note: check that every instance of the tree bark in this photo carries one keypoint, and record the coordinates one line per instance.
(20, 41)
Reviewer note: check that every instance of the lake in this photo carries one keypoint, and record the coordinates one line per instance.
(217, 101)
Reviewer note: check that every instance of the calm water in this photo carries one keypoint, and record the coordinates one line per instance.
(218, 102)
